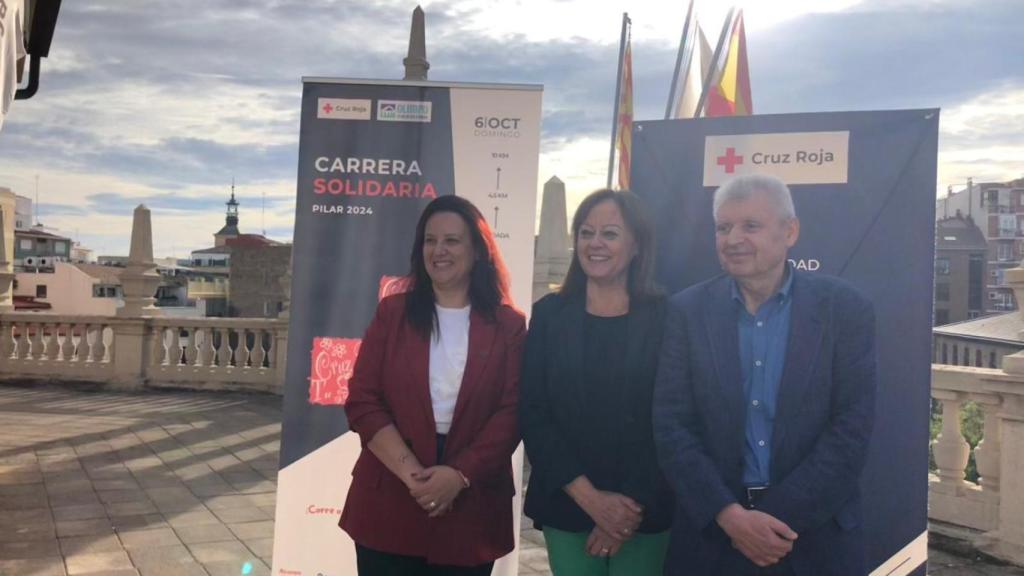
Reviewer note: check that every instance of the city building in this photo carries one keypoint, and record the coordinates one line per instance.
(78, 289)
(998, 210)
(37, 249)
(960, 270)
(258, 271)
(250, 288)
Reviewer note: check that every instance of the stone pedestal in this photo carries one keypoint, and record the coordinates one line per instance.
(131, 357)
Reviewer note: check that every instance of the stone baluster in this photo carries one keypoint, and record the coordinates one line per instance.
(259, 353)
(950, 449)
(174, 351)
(192, 351)
(987, 453)
(242, 352)
(208, 352)
(224, 350)
(88, 343)
(107, 334)
(35, 341)
(53, 342)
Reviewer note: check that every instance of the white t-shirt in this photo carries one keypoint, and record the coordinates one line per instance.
(448, 351)
(12, 48)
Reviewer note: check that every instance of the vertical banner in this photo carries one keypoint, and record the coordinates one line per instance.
(372, 154)
(863, 184)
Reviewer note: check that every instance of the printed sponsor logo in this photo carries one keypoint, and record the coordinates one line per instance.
(404, 111)
(332, 363)
(390, 285)
(287, 572)
(343, 109)
(794, 157)
(496, 127)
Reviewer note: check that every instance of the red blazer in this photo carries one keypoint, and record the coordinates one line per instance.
(390, 386)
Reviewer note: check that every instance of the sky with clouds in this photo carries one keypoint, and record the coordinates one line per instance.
(163, 102)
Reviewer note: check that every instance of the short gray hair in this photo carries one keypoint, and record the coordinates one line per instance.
(743, 187)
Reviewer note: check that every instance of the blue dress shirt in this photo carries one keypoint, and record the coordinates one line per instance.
(762, 356)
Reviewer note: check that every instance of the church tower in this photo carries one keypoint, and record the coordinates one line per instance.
(230, 229)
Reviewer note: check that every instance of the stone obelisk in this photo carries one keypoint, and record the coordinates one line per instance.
(140, 280)
(416, 64)
(6, 273)
(552, 254)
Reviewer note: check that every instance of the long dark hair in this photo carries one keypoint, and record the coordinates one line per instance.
(488, 280)
(640, 282)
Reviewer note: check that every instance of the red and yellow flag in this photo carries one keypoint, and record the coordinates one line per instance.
(624, 131)
(730, 96)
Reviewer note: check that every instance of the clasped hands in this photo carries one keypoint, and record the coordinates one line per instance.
(762, 538)
(435, 488)
(616, 518)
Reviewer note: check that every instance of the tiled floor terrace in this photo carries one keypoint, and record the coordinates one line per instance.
(166, 483)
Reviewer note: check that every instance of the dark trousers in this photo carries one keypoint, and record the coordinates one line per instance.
(373, 563)
(736, 564)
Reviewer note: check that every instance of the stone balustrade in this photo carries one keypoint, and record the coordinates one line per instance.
(989, 512)
(243, 354)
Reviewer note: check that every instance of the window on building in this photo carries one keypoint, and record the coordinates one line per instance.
(941, 317)
(26, 243)
(43, 241)
(104, 291)
(945, 353)
(977, 358)
(40, 290)
(942, 292)
(956, 356)
(942, 266)
(975, 282)
(60, 247)
(991, 359)
(967, 356)
(1004, 251)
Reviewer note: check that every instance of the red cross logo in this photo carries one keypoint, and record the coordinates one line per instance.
(328, 108)
(730, 160)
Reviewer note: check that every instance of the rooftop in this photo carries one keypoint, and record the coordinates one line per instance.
(1005, 328)
(959, 233)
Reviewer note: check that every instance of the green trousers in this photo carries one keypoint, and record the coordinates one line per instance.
(641, 555)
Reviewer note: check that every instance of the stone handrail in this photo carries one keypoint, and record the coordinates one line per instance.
(130, 353)
(233, 353)
(992, 508)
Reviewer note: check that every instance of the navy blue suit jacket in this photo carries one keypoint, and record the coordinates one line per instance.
(822, 428)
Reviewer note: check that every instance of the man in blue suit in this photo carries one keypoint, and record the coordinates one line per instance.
(764, 403)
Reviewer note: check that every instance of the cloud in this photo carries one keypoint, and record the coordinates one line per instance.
(162, 102)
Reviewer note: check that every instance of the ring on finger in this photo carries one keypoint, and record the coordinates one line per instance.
(432, 505)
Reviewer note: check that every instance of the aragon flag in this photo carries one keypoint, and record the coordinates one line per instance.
(625, 119)
(730, 96)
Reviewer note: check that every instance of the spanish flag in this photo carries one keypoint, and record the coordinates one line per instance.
(625, 119)
(730, 96)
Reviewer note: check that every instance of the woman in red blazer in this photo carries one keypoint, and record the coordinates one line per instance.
(434, 399)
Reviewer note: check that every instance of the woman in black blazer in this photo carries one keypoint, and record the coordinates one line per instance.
(585, 400)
